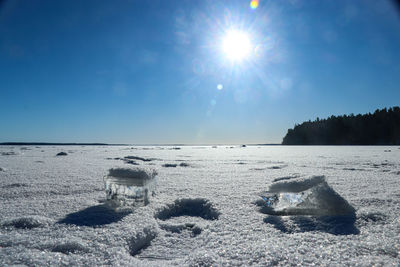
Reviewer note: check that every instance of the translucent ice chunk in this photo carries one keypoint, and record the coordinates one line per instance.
(129, 186)
(305, 196)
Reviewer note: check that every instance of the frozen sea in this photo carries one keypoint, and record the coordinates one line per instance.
(207, 209)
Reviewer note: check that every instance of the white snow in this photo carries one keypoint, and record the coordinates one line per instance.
(53, 210)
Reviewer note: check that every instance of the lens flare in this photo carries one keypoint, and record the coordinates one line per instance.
(254, 4)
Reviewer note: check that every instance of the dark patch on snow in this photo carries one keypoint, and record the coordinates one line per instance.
(170, 165)
(384, 164)
(277, 167)
(184, 164)
(371, 217)
(286, 178)
(177, 229)
(69, 247)
(193, 228)
(198, 207)
(257, 169)
(196, 231)
(340, 163)
(6, 243)
(353, 169)
(141, 241)
(132, 162)
(27, 222)
(132, 159)
(15, 185)
(62, 154)
(175, 148)
(95, 216)
(11, 153)
(2, 170)
(136, 158)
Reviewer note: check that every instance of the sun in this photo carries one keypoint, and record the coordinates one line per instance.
(236, 45)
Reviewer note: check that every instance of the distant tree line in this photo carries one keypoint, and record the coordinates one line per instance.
(380, 128)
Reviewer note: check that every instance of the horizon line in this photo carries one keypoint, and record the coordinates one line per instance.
(116, 144)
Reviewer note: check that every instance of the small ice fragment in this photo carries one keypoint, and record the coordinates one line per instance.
(129, 186)
(270, 200)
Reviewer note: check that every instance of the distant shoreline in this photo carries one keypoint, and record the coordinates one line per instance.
(379, 128)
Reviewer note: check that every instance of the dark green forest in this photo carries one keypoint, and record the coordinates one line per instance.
(380, 128)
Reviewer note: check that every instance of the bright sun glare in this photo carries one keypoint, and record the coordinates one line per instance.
(236, 45)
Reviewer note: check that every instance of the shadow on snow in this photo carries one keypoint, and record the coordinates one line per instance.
(336, 225)
(95, 216)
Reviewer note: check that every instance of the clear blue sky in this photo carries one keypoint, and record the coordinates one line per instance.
(148, 71)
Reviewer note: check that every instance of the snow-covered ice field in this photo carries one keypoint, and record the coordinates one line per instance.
(207, 209)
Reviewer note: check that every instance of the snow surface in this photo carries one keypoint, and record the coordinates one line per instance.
(207, 208)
